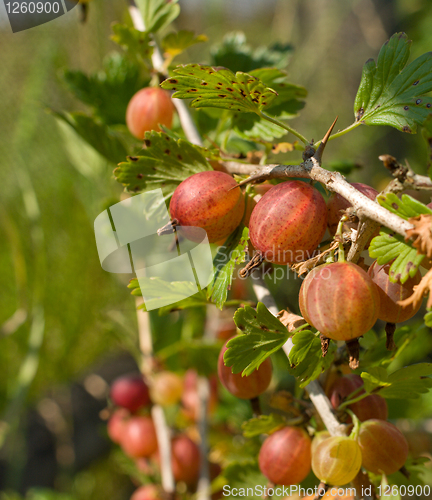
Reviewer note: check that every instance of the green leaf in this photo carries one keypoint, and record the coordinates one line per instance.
(428, 318)
(158, 13)
(404, 207)
(388, 246)
(219, 88)
(286, 106)
(109, 91)
(264, 335)
(407, 383)
(243, 475)
(101, 137)
(175, 43)
(417, 468)
(264, 424)
(305, 357)
(135, 43)
(391, 93)
(230, 254)
(387, 492)
(237, 55)
(165, 163)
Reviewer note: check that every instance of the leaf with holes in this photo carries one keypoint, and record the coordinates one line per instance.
(219, 88)
(286, 106)
(175, 43)
(393, 93)
(163, 164)
(264, 335)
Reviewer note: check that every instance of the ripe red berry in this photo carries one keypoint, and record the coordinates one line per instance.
(148, 108)
(391, 293)
(139, 438)
(185, 459)
(383, 447)
(244, 387)
(117, 424)
(285, 456)
(207, 200)
(130, 391)
(147, 492)
(336, 203)
(340, 300)
(373, 406)
(337, 460)
(288, 222)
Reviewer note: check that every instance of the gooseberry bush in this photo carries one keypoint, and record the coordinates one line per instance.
(357, 252)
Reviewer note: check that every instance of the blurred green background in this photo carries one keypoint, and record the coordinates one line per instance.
(62, 318)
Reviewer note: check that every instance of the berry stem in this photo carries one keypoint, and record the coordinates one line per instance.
(341, 132)
(339, 238)
(353, 400)
(355, 432)
(284, 126)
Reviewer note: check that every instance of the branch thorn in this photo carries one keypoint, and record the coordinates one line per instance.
(320, 150)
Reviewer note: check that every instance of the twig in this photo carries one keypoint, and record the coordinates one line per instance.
(163, 432)
(185, 117)
(314, 389)
(203, 488)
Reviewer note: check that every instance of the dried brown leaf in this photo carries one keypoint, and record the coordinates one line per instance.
(283, 147)
(420, 290)
(422, 233)
(290, 320)
(306, 266)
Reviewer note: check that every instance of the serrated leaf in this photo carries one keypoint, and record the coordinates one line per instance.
(404, 207)
(219, 88)
(230, 254)
(305, 357)
(158, 13)
(264, 424)
(175, 43)
(264, 335)
(109, 91)
(135, 43)
(391, 93)
(244, 475)
(407, 383)
(388, 246)
(237, 55)
(163, 164)
(417, 469)
(286, 106)
(101, 137)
